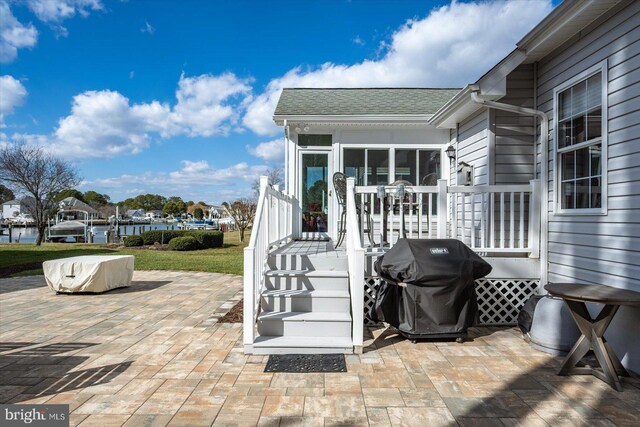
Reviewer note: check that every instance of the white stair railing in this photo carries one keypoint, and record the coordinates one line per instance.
(356, 260)
(273, 226)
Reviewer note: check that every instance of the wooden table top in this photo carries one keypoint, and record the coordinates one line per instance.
(594, 293)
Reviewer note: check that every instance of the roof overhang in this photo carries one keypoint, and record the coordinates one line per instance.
(564, 22)
(492, 86)
(346, 119)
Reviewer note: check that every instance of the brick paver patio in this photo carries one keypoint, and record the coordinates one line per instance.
(153, 355)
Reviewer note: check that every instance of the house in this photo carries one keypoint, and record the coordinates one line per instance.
(71, 204)
(154, 214)
(12, 209)
(535, 166)
(135, 214)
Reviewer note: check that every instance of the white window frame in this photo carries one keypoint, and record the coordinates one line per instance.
(392, 155)
(602, 210)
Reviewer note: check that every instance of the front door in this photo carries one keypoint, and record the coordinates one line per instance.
(314, 194)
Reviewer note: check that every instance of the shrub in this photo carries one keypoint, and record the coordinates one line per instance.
(130, 241)
(185, 243)
(208, 239)
(160, 236)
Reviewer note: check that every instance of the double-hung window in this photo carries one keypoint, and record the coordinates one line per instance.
(580, 145)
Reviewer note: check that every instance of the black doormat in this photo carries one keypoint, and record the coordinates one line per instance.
(306, 363)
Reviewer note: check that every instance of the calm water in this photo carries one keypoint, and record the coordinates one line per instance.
(28, 235)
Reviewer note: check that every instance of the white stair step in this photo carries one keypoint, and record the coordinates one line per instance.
(295, 323)
(302, 345)
(305, 293)
(306, 300)
(322, 261)
(307, 279)
(306, 273)
(304, 316)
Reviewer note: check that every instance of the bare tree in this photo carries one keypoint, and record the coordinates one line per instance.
(243, 212)
(275, 176)
(40, 176)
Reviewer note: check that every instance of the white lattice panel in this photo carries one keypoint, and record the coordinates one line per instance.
(499, 300)
(370, 286)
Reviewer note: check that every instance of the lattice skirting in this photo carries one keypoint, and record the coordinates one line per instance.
(499, 300)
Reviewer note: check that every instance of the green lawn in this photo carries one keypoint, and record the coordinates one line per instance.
(24, 259)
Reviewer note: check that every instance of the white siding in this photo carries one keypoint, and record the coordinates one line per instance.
(514, 140)
(603, 248)
(473, 145)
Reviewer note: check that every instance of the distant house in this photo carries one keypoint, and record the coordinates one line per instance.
(71, 203)
(154, 214)
(217, 212)
(135, 213)
(12, 208)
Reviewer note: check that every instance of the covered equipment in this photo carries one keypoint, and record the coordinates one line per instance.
(95, 273)
(428, 288)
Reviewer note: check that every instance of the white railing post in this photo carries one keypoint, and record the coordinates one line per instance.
(249, 298)
(535, 213)
(356, 260)
(252, 267)
(442, 209)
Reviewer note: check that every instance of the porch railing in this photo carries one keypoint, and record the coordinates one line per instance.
(275, 224)
(488, 218)
(356, 262)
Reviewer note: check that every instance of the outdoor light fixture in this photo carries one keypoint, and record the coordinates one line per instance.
(451, 152)
(301, 128)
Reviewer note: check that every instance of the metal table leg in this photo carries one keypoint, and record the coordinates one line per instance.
(592, 338)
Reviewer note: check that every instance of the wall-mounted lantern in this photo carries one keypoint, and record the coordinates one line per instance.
(451, 152)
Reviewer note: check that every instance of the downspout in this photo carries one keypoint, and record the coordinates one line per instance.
(286, 157)
(544, 143)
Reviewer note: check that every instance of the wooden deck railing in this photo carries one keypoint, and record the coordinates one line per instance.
(275, 224)
(488, 218)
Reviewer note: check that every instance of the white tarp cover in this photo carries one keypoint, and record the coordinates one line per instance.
(94, 273)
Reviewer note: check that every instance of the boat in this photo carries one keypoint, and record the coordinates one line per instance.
(67, 226)
(199, 225)
(66, 229)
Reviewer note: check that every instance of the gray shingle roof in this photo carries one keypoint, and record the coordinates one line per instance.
(379, 101)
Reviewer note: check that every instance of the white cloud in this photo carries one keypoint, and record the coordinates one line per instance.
(148, 28)
(196, 180)
(13, 34)
(451, 46)
(270, 151)
(358, 40)
(54, 11)
(203, 108)
(12, 95)
(105, 123)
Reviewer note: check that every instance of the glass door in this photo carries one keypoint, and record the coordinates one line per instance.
(314, 192)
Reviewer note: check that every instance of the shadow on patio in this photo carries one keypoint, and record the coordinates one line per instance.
(497, 379)
(46, 370)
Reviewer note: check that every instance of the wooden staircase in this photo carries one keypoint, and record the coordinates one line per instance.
(305, 303)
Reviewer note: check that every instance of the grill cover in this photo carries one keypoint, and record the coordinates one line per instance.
(436, 293)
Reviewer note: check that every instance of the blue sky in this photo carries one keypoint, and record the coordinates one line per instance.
(176, 97)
